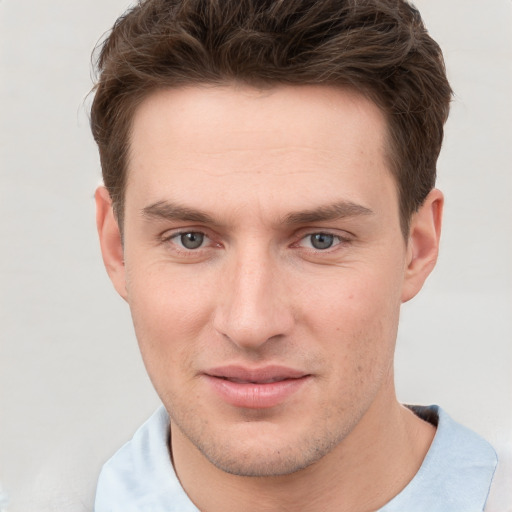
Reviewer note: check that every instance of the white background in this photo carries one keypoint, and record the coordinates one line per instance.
(72, 386)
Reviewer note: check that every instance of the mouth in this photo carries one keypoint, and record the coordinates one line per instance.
(264, 381)
(256, 388)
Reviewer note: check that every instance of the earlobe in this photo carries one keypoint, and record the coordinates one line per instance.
(423, 243)
(110, 240)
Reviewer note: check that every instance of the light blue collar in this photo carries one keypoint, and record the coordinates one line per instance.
(456, 473)
(455, 476)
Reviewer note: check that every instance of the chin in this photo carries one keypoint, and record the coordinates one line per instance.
(262, 464)
(265, 454)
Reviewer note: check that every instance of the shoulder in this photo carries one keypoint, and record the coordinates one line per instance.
(456, 473)
(140, 476)
(464, 449)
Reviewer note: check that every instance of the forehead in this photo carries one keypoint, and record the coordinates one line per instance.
(279, 146)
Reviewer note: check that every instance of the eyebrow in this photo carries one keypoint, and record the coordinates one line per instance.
(336, 211)
(165, 210)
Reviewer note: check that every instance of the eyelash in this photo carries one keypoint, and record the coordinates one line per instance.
(168, 239)
(338, 240)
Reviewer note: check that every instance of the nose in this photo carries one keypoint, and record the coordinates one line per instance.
(254, 305)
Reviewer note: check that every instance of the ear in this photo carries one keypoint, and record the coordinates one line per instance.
(110, 240)
(423, 243)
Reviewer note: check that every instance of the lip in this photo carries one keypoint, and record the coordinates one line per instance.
(255, 388)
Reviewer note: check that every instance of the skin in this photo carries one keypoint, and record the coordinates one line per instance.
(255, 173)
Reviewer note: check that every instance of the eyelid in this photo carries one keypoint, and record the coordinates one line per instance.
(343, 239)
(166, 238)
(168, 235)
(179, 236)
(173, 232)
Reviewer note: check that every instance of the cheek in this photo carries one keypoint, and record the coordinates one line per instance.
(358, 348)
(355, 299)
(356, 318)
(170, 312)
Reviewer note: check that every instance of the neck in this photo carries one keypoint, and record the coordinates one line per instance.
(367, 469)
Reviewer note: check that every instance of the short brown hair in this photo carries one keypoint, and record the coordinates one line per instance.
(378, 47)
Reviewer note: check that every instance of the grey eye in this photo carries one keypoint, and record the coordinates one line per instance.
(322, 240)
(192, 240)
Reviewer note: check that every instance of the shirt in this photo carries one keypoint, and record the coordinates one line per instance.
(455, 475)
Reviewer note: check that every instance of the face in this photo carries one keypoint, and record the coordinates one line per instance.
(264, 267)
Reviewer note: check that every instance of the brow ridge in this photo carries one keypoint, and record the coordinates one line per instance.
(166, 210)
(335, 211)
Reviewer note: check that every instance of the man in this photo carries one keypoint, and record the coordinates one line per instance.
(269, 204)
